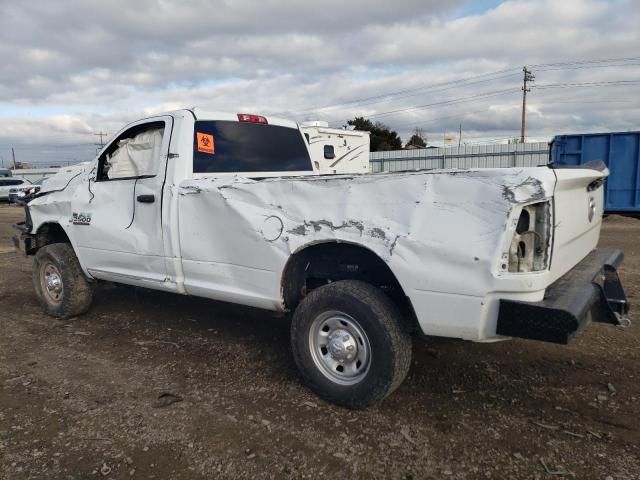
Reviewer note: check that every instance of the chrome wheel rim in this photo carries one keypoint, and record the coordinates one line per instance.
(51, 282)
(339, 347)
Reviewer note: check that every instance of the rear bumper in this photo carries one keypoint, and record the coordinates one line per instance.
(591, 291)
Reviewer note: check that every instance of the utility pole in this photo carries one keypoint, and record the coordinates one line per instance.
(528, 77)
(101, 143)
(13, 155)
(460, 136)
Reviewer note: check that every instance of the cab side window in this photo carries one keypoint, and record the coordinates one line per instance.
(136, 153)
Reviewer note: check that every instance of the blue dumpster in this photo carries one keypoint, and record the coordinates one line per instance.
(619, 150)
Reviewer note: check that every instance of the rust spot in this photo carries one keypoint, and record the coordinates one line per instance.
(378, 233)
(299, 230)
(318, 224)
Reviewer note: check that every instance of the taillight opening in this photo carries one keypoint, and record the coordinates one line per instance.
(250, 118)
(531, 243)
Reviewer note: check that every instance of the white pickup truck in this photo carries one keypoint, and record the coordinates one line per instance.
(229, 207)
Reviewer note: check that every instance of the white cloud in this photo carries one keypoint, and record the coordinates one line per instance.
(80, 66)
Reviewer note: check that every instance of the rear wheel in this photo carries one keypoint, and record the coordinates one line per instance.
(348, 343)
(61, 286)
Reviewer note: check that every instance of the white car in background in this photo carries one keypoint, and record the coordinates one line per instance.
(7, 183)
(22, 191)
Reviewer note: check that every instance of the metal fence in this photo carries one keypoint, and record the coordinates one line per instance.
(468, 156)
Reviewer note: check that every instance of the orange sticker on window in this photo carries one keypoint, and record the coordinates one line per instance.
(205, 143)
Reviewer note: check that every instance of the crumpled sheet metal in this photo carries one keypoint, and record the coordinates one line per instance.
(439, 231)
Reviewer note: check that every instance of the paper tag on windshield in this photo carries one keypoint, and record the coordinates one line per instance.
(205, 143)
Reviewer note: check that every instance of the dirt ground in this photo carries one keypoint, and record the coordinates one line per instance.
(80, 398)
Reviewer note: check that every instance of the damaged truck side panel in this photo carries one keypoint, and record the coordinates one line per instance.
(230, 207)
(392, 215)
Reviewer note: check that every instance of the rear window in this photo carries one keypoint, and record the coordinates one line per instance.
(228, 146)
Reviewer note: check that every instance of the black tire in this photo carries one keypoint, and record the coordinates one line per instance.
(380, 321)
(75, 294)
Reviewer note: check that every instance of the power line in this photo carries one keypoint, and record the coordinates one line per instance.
(442, 89)
(400, 93)
(584, 62)
(433, 88)
(586, 84)
(431, 120)
(497, 93)
(540, 100)
(578, 67)
(461, 116)
(442, 103)
(588, 101)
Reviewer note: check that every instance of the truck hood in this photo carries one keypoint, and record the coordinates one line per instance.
(61, 179)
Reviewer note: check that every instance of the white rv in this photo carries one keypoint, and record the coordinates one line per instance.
(337, 150)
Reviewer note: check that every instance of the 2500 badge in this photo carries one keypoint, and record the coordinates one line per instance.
(81, 218)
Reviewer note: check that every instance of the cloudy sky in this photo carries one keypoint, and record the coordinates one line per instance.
(75, 67)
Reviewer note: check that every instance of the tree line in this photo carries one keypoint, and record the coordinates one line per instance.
(383, 138)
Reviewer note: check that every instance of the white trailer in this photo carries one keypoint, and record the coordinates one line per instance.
(337, 150)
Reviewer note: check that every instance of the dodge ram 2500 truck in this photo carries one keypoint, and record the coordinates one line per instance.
(229, 207)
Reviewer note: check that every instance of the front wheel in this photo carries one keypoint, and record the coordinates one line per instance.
(60, 284)
(349, 344)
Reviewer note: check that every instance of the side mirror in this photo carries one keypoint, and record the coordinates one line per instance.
(329, 152)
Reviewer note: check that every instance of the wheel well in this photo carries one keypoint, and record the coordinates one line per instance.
(323, 263)
(49, 233)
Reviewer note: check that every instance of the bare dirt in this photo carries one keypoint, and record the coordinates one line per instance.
(80, 398)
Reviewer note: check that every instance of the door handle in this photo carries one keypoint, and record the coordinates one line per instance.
(146, 198)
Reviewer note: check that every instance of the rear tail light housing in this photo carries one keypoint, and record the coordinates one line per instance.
(530, 248)
(250, 118)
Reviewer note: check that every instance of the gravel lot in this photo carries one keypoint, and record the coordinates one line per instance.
(95, 396)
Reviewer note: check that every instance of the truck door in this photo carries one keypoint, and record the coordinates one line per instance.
(117, 219)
